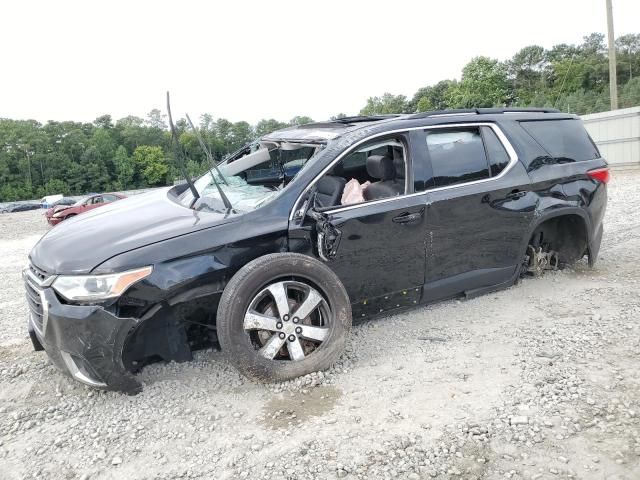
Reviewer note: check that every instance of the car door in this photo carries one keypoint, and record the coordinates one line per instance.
(480, 207)
(379, 255)
(94, 202)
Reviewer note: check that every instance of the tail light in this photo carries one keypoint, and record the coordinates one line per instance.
(600, 174)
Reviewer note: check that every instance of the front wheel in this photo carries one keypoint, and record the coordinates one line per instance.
(282, 316)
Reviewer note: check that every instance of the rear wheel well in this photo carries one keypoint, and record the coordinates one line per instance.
(565, 234)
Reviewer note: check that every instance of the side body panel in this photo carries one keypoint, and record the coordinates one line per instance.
(561, 188)
(377, 256)
(474, 234)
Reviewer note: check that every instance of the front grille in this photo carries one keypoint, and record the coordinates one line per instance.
(35, 305)
(34, 280)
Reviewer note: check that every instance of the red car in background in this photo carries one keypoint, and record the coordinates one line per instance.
(57, 214)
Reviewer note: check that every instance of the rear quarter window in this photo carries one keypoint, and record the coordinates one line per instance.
(564, 140)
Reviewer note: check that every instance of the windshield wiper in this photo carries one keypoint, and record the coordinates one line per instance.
(180, 154)
(224, 198)
(206, 151)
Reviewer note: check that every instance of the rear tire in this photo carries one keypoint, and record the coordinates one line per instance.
(287, 346)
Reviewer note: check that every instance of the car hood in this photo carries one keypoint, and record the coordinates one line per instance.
(81, 243)
(57, 208)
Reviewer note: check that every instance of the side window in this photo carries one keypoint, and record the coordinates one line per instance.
(498, 156)
(109, 198)
(375, 170)
(564, 140)
(96, 200)
(457, 156)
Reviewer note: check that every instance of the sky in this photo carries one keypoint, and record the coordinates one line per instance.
(248, 60)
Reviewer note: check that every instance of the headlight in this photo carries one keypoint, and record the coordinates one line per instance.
(98, 287)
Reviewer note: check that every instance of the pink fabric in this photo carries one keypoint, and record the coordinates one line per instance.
(353, 192)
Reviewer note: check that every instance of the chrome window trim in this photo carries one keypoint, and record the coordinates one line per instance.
(513, 159)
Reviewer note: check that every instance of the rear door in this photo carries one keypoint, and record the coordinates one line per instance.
(480, 206)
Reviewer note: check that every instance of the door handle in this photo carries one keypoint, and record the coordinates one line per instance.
(408, 217)
(516, 194)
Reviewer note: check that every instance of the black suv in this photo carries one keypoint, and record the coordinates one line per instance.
(273, 253)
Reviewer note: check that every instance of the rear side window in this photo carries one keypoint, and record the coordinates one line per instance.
(457, 156)
(498, 156)
(564, 140)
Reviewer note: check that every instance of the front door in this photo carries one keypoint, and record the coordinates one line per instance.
(381, 250)
(379, 254)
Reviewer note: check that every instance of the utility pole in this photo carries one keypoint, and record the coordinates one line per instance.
(613, 79)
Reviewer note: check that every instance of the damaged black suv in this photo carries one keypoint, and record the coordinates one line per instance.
(273, 252)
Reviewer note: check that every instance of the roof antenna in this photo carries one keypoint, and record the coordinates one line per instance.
(180, 154)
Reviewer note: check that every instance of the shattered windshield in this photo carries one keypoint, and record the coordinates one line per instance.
(252, 179)
(243, 196)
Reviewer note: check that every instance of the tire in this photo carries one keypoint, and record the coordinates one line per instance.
(251, 286)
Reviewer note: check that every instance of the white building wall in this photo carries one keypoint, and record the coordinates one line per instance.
(617, 134)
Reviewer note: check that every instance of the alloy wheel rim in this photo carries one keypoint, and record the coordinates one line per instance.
(288, 320)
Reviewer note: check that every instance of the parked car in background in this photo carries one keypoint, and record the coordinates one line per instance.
(50, 200)
(18, 207)
(60, 211)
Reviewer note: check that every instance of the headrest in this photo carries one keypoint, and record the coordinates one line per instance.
(398, 165)
(338, 170)
(381, 167)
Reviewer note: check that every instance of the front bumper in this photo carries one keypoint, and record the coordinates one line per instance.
(84, 342)
(53, 221)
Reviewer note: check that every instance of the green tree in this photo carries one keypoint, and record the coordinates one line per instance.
(628, 47)
(156, 119)
(435, 97)
(300, 120)
(103, 121)
(484, 84)
(125, 168)
(152, 164)
(267, 126)
(56, 186)
(386, 104)
(630, 94)
(241, 134)
(525, 71)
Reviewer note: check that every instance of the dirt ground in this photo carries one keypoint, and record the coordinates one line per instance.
(539, 381)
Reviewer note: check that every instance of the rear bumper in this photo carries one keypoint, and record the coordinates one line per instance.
(85, 342)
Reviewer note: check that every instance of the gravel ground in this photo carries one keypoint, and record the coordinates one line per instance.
(539, 381)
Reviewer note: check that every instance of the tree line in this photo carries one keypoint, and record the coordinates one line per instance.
(75, 158)
(572, 78)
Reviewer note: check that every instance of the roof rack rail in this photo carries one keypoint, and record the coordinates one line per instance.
(482, 111)
(364, 118)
